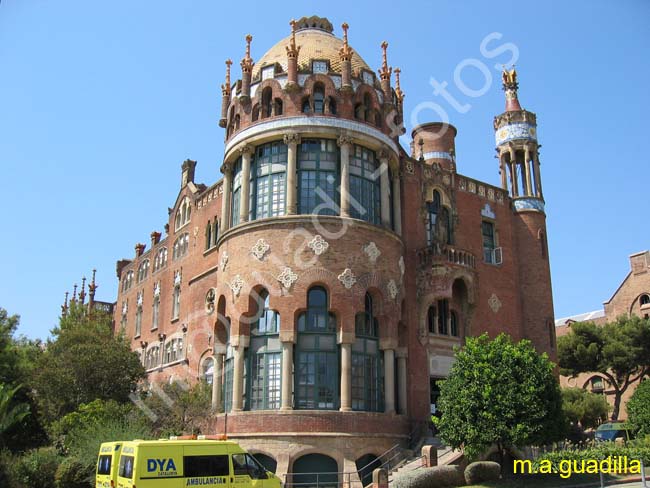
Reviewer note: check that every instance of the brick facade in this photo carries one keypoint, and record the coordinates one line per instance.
(403, 264)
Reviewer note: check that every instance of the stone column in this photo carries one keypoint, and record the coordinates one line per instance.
(346, 377)
(238, 379)
(245, 194)
(397, 205)
(513, 173)
(384, 188)
(529, 186)
(504, 171)
(401, 381)
(226, 169)
(217, 375)
(345, 142)
(389, 380)
(287, 376)
(292, 141)
(538, 180)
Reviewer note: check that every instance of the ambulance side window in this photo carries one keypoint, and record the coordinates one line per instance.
(104, 465)
(246, 464)
(126, 467)
(196, 466)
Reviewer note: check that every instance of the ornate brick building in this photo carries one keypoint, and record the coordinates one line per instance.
(632, 297)
(322, 283)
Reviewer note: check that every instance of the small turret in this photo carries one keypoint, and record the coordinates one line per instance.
(345, 53)
(384, 74)
(292, 58)
(226, 91)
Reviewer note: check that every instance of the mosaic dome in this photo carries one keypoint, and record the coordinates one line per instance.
(316, 41)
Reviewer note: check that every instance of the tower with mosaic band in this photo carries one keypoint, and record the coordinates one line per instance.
(518, 153)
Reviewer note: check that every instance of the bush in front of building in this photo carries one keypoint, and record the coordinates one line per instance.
(634, 450)
(438, 476)
(35, 469)
(481, 471)
(638, 409)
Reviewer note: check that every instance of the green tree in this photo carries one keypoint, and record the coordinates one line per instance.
(8, 357)
(618, 350)
(502, 393)
(84, 361)
(179, 409)
(11, 412)
(638, 408)
(583, 407)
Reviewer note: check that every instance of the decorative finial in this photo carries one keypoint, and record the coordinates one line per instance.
(385, 71)
(64, 307)
(228, 65)
(92, 287)
(247, 62)
(346, 51)
(292, 49)
(249, 38)
(398, 88)
(510, 86)
(82, 294)
(74, 293)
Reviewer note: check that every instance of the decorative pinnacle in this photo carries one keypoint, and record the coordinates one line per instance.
(74, 293)
(510, 86)
(398, 88)
(292, 49)
(82, 294)
(92, 286)
(346, 51)
(226, 87)
(247, 62)
(385, 71)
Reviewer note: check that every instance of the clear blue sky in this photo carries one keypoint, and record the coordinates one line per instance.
(100, 102)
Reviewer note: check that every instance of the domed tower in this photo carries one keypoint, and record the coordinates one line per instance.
(309, 286)
(518, 153)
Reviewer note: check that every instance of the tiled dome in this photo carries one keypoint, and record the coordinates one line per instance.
(315, 43)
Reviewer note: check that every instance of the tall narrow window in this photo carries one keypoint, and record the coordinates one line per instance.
(155, 312)
(453, 323)
(138, 321)
(267, 102)
(269, 177)
(443, 315)
(438, 222)
(319, 98)
(176, 302)
(183, 214)
(181, 246)
(161, 259)
(264, 358)
(318, 176)
(432, 317)
(143, 270)
(365, 194)
(433, 209)
(366, 361)
(236, 192)
(488, 241)
(208, 235)
(207, 370)
(317, 366)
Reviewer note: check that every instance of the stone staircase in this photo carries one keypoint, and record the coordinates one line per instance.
(413, 460)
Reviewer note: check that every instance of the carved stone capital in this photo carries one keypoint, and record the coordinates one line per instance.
(226, 169)
(344, 139)
(246, 149)
(292, 138)
(383, 153)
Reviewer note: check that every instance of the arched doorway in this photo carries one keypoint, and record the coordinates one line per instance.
(268, 462)
(365, 466)
(315, 471)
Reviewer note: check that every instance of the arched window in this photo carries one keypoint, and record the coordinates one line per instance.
(645, 299)
(127, 281)
(317, 366)
(155, 312)
(367, 107)
(453, 323)
(315, 470)
(236, 191)
(173, 350)
(269, 180)
(443, 315)
(306, 108)
(318, 176)
(319, 98)
(181, 245)
(255, 112)
(208, 235)
(138, 317)
(332, 106)
(264, 358)
(143, 270)
(229, 366)
(366, 361)
(278, 106)
(207, 370)
(438, 222)
(267, 102)
(176, 302)
(183, 214)
(161, 259)
(152, 358)
(364, 185)
(432, 317)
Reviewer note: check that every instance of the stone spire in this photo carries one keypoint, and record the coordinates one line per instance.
(74, 294)
(82, 293)
(64, 307)
(292, 57)
(92, 288)
(384, 74)
(345, 53)
(225, 95)
(247, 70)
(510, 86)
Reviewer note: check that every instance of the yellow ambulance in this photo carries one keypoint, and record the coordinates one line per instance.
(180, 463)
(107, 463)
